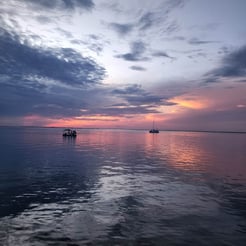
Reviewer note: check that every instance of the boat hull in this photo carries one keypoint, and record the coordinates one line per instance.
(154, 131)
(69, 133)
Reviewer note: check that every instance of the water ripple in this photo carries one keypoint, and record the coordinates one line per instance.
(122, 188)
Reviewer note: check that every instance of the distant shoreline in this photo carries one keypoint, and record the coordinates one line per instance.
(128, 129)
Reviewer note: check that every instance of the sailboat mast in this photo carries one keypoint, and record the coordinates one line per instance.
(153, 130)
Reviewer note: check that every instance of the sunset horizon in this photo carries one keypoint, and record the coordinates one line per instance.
(123, 122)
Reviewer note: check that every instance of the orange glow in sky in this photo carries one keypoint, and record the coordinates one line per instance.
(190, 102)
(188, 107)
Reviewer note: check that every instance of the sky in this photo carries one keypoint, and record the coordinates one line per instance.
(123, 64)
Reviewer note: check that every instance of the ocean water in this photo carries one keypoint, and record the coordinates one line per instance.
(119, 187)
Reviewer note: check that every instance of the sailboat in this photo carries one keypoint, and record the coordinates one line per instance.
(153, 130)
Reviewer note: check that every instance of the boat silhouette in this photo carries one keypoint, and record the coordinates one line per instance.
(153, 130)
(69, 133)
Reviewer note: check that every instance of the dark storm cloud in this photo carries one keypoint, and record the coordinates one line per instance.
(19, 61)
(121, 29)
(232, 65)
(138, 49)
(62, 4)
(138, 68)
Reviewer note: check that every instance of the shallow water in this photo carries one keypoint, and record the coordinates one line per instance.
(115, 187)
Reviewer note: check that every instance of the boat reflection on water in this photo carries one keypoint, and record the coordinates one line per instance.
(122, 187)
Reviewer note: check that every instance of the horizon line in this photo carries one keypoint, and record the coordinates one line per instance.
(135, 129)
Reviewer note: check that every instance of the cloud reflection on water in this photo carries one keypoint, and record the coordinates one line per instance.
(120, 186)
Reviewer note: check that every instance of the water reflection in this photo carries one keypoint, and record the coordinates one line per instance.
(69, 140)
(122, 187)
(211, 153)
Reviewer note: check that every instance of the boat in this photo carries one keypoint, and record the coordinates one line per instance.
(154, 130)
(69, 133)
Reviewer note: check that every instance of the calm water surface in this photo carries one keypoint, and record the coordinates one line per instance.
(122, 188)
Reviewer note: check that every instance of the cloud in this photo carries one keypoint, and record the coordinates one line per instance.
(196, 41)
(44, 19)
(212, 26)
(58, 103)
(19, 100)
(135, 95)
(159, 19)
(64, 33)
(95, 43)
(233, 65)
(134, 100)
(130, 89)
(152, 18)
(176, 38)
(146, 21)
(161, 54)
(209, 120)
(170, 27)
(25, 98)
(138, 68)
(19, 61)
(92, 42)
(144, 99)
(59, 82)
(121, 29)
(48, 82)
(197, 55)
(122, 111)
(224, 50)
(62, 4)
(138, 49)
(174, 4)
(112, 6)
